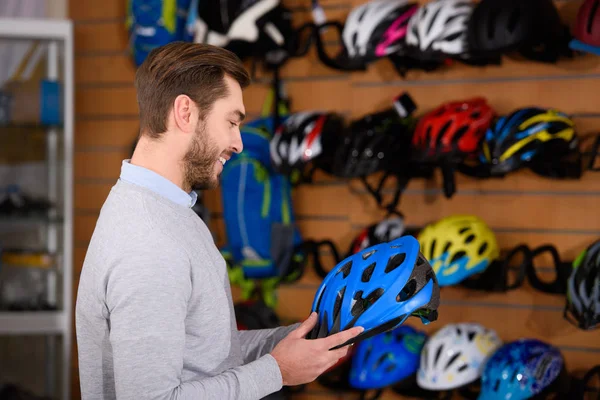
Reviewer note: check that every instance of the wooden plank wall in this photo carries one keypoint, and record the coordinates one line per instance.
(106, 125)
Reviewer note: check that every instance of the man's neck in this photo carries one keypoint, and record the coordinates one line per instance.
(155, 158)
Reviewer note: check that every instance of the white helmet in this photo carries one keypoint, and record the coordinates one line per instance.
(368, 26)
(455, 356)
(440, 27)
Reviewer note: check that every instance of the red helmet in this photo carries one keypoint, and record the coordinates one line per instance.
(587, 27)
(453, 129)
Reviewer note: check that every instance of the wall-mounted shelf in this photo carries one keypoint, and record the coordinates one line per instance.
(56, 36)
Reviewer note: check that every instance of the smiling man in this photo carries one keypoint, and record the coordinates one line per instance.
(154, 312)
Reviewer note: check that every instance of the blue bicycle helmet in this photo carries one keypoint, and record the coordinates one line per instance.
(520, 369)
(377, 288)
(387, 358)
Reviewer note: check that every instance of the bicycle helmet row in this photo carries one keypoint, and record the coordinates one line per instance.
(582, 307)
(377, 288)
(373, 30)
(386, 359)
(586, 33)
(458, 246)
(305, 139)
(520, 370)
(455, 356)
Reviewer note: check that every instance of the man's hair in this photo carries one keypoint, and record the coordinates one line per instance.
(196, 70)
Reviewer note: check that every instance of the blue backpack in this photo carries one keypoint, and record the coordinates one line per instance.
(263, 240)
(154, 23)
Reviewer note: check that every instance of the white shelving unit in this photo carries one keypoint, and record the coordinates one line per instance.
(57, 35)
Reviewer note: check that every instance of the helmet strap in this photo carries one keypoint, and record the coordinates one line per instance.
(563, 270)
(495, 276)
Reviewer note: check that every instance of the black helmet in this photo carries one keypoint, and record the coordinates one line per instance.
(250, 28)
(532, 27)
(376, 142)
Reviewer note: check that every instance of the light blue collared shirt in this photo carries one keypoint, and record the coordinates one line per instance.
(151, 180)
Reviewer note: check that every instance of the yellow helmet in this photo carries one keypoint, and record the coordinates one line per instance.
(457, 247)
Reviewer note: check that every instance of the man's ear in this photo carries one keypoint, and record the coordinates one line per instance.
(184, 113)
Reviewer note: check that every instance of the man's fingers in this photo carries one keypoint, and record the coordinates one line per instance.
(340, 353)
(306, 326)
(343, 336)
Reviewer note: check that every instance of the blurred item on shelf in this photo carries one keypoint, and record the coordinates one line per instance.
(27, 258)
(26, 289)
(14, 203)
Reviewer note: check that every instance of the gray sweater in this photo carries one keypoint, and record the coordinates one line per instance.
(154, 312)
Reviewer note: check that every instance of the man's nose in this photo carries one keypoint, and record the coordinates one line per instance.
(237, 144)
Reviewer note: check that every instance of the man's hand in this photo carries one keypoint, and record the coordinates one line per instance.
(303, 360)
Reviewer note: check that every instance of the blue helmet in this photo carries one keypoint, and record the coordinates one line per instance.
(520, 369)
(377, 288)
(387, 358)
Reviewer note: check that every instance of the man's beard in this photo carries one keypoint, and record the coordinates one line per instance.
(199, 162)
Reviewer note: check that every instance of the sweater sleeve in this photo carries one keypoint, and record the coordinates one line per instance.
(258, 342)
(147, 294)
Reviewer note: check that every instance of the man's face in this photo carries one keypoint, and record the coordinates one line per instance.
(216, 138)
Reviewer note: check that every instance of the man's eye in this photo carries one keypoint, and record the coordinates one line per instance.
(233, 124)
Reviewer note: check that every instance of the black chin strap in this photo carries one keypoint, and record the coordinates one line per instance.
(495, 276)
(563, 270)
(376, 192)
(313, 248)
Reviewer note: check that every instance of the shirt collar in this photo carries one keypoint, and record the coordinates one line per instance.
(151, 180)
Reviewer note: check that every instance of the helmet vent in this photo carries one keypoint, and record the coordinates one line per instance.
(447, 247)
(454, 36)
(444, 129)
(590, 23)
(514, 376)
(463, 367)
(407, 291)
(483, 248)
(427, 136)
(368, 254)
(367, 273)
(475, 114)
(338, 302)
(389, 368)
(451, 361)
(395, 262)
(380, 361)
(463, 230)
(432, 249)
(438, 353)
(471, 336)
(433, 19)
(345, 270)
(361, 305)
(457, 256)
(429, 275)
(367, 354)
(460, 133)
(421, 260)
(513, 21)
(469, 239)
